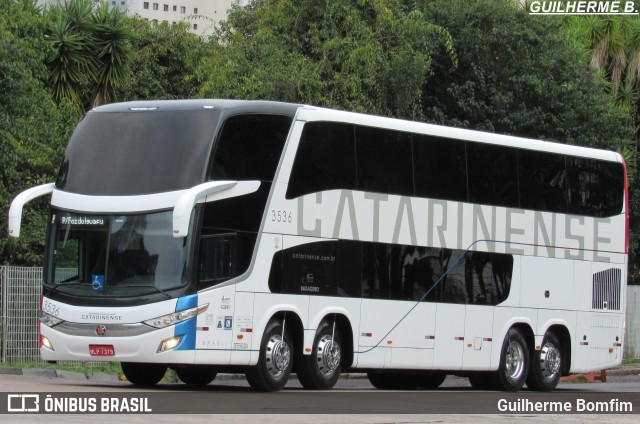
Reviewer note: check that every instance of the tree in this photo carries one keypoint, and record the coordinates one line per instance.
(164, 62)
(366, 56)
(519, 74)
(613, 46)
(89, 51)
(33, 130)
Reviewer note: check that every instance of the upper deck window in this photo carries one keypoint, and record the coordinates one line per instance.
(249, 147)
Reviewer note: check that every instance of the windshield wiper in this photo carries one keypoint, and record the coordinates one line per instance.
(148, 287)
(67, 283)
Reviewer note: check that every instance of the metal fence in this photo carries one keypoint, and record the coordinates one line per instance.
(20, 290)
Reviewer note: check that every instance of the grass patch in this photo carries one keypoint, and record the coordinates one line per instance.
(631, 361)
(87, 368)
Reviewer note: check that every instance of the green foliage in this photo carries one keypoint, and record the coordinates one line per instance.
(33, 130)
(89, 51)
(366, 56)
(519, 75)
(165, 62)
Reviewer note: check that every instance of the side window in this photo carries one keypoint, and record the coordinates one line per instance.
(309, 269)
(249, 147)
(349, 268)
(543, 181)
(493, 175)
(217, 259)
(326, 268)
(384, 161)
(440, 168)
(487, 277)
(595, 187)
(325, 159)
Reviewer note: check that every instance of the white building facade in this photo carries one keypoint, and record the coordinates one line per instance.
(201, 15)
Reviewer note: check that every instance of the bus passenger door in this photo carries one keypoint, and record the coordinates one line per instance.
(216, 264)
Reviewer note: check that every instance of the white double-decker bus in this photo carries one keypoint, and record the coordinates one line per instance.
(266, 238)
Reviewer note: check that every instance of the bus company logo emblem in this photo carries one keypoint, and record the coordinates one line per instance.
(101, 330)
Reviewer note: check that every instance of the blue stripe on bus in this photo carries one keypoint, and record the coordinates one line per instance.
(186, 329)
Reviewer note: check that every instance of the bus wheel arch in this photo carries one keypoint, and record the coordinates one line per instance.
(514, 359)
(331, 352)
(551, 361)
(276, 357)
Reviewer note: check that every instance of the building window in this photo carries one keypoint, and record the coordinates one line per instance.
(145, 5)
(155, 6)
(175, 8)
(195, 26)
(183, 9)
(165, 7)
(195, 10)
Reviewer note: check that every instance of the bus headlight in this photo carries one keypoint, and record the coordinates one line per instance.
(176, 317)
(49, 320)
(169, 344)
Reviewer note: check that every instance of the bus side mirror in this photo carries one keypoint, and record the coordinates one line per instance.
(209, 191)
(15, 211)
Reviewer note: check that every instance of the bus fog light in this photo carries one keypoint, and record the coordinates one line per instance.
(45, 342)
(169, 344)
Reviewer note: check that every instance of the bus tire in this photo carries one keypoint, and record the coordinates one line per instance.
(432, 380)
(514, 363)
(197, 375)
(272, 371)
(546, 365)
(480, 381)
(146, 375)
(321, 370)
(389, 380)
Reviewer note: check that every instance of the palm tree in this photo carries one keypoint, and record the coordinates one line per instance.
(90, 51)
(613, 43)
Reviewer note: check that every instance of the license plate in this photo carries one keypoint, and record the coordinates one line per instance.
(101, 350)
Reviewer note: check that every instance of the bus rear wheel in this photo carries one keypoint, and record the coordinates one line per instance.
(146, 375)
(198, 375)
(546, 365)
(321, 369)
(390, 380)
(432, 380)
(272, 371)
(514, 363)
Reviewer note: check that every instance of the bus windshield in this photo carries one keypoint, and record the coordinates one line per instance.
(114, 255)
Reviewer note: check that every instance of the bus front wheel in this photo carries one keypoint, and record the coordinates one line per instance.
(514, 362)
(146, 375)
(272, 371)
(197, 375)
(321, 369)
(546, 365)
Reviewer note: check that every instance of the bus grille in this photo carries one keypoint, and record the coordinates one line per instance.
(606, 289)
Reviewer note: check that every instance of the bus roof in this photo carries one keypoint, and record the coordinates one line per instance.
(310, 113)
(228, 106)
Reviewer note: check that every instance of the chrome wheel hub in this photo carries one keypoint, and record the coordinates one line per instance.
(514, 366)
(277, 355)
(328, 355)
(550, 361)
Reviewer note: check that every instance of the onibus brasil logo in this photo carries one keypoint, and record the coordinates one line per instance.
(582, 7)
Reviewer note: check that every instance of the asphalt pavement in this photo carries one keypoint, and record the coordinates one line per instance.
(622, 373)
